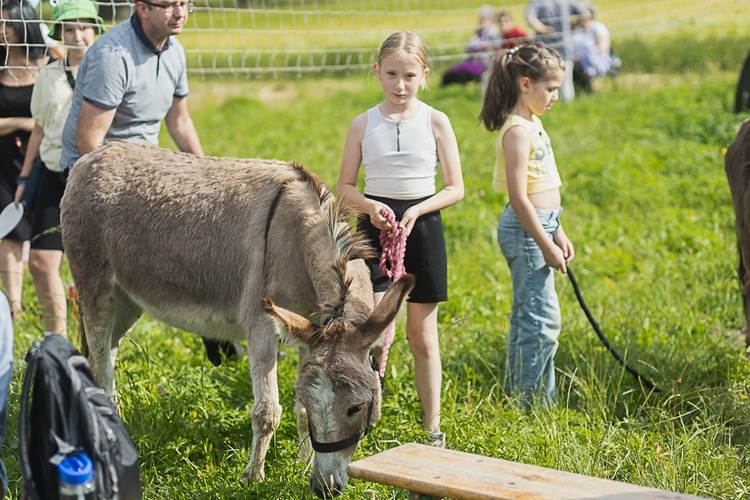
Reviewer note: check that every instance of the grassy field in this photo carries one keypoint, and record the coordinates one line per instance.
(648, 208)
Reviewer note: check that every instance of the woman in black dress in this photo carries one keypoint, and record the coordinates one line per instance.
(22, 53)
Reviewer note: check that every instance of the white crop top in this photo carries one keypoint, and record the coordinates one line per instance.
(399, 158)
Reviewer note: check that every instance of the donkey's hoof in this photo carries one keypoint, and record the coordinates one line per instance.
(251, 474)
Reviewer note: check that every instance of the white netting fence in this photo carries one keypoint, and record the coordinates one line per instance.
(298, 37)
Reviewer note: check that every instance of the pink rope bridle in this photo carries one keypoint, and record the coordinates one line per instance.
(393, 242)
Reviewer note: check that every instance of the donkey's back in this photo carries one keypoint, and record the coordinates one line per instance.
(182, 236)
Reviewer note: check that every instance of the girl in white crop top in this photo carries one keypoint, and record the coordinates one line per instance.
(400, 143)
(523, 85)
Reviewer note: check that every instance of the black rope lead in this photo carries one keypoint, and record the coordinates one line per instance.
(604, 339)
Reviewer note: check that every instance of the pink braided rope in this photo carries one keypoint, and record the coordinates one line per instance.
(393, 242)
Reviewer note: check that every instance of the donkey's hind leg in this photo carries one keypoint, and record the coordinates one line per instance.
(127, 312)
(98, 313)
(109, 317)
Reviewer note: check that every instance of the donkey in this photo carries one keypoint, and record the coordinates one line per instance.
(232, 249)
(737, 169)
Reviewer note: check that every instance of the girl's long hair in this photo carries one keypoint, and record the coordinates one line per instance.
(24, 21)
(535, 61)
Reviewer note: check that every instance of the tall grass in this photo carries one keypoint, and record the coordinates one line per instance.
(647, 205)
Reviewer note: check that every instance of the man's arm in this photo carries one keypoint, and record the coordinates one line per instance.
(93, 124)
(181, 127)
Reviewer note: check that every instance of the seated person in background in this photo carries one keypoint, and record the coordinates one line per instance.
(512, 35)
(591, 49)
(486, 38)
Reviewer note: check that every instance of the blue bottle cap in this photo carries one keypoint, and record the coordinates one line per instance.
(76, 469)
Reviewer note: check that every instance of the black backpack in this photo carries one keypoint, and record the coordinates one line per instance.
(63, 411)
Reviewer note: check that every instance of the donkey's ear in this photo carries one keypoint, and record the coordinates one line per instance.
(298, 326)
(387, 310)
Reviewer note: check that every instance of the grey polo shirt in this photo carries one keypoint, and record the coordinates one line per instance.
(556, 13)
(123, 70)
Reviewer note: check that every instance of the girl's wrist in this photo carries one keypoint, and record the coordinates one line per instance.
(22, 180)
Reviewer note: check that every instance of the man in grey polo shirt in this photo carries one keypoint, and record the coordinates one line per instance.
(551, 19)
(133, 77)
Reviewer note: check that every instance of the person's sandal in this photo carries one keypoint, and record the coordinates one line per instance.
(436, 439)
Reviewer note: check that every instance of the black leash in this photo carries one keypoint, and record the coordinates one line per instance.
(604, 339)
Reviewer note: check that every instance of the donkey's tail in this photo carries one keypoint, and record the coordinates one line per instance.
(83, 343)
(77, 313)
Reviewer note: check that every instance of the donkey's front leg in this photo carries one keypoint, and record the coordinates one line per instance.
(305, 454)
(266, 412)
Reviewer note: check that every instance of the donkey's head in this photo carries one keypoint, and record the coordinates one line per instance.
(338, 384)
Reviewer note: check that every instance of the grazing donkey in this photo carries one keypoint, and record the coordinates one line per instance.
(205, 244)
(737, 168)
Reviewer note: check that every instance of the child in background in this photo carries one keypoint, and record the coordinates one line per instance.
(512, 35)
(486, 38)
(592, 50)
(400, 143)
(523, 85)
(76, 24)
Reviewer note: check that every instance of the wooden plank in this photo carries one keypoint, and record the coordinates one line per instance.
(454, 474)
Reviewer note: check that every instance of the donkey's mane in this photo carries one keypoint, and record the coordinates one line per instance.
(348, 245)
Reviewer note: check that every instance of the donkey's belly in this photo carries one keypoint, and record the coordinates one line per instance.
(201, 320)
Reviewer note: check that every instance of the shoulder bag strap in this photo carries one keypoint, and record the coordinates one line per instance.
(69, 74)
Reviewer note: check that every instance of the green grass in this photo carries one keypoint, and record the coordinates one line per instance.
(648, 208)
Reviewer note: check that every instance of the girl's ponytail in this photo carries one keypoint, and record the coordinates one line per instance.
(534, 61)
(501, 93)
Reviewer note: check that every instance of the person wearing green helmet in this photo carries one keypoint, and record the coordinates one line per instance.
(75, 11)
(76, 24)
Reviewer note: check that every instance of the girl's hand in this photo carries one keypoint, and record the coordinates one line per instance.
(409, 219)
(376, 218)
(561, 240)
(19, 194)
(555, 258)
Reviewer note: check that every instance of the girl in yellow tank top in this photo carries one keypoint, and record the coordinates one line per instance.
(523, 85)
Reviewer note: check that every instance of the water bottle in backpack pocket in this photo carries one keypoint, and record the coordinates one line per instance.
(63, 414)
(76, 473)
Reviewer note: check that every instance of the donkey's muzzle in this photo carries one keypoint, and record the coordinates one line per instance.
(326, 489)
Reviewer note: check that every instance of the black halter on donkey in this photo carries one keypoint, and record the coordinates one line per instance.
(345, 443)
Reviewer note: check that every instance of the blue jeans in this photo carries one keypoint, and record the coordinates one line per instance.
(535, 316)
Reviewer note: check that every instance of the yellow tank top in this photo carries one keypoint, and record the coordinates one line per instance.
(542, 169)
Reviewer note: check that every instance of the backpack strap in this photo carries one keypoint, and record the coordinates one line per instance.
(74, 362)
(32, 358)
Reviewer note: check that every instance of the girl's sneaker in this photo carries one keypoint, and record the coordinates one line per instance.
(436, 439)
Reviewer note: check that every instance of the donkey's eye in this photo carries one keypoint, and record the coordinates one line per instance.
(328, 321)
(353, 410)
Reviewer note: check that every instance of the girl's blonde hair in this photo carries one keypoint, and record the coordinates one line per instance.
(535, 61)
(404, 41)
